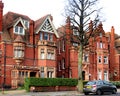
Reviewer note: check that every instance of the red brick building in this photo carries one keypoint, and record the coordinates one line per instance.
(28, 48)
(31, 48)
(95, 57)
(100, 60)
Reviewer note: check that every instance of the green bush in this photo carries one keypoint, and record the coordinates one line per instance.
(49, 82)
(117, 83)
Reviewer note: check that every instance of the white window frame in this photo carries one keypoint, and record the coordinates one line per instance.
(42, 73)
(105, 60)
(50, 55)
(51, 37)
(41, 36)
(75, 32)
(75, 44)
(99, 74)
(101, 45)
(63, 63)
(50, 74)
(46, 35)
(63, 45)
(18, 52)
(99, 59)
(106, 75)
(26, 23)
(42, 54)
(86, 58)
(18, 30)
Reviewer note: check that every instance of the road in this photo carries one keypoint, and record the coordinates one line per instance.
(60, 93)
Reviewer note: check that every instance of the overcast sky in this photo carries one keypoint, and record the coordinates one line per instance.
(38, 8)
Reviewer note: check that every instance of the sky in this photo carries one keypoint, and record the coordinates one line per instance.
(35, 9)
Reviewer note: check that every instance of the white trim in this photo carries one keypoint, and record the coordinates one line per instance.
(54, 30)
(20, 20)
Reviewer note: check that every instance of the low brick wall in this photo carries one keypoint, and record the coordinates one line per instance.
(66, 88)
(52, 88)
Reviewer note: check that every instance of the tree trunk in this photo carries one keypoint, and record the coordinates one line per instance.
(80, 79)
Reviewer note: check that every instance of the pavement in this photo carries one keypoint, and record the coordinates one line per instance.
(24, 93)
(57, 93)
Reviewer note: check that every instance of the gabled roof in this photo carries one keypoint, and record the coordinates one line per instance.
(20, 20)
(10, 18)
(40, 24)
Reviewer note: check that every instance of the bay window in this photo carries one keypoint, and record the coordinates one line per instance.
(42, 54)
(50, 54)
(18, 52)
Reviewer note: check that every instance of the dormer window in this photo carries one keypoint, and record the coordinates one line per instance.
(26, 23)
(19, 30)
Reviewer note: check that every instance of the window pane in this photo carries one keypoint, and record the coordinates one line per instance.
(42, 55)
(51, 37)
(105, 60)
(15, 53)
(42, 74)
(18, 51)
(101, 45)
(49, 74)
(45, 36)
(52, 56)
(48, 55)
(99, 59)
(21, 30)
(75, 32)
(16, 29)
(86, 58)
(41, 36)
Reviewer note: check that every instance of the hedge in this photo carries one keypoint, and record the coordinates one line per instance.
(49, 82)
(117, 83)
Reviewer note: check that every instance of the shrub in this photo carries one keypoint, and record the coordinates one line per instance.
(117, 83)
(49, 82)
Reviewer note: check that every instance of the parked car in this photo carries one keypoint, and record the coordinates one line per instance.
(99, 87)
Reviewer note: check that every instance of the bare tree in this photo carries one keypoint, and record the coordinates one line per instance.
(80, 13)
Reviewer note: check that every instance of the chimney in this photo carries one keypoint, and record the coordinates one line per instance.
(31, 30)
(1, 14)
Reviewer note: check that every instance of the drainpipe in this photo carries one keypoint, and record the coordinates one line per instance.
(4, 78)
(32, 39)
(34, 46)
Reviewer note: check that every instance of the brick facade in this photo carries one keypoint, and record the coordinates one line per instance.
(31, 48)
